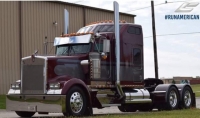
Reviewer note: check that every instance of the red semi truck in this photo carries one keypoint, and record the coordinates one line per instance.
(94, 70)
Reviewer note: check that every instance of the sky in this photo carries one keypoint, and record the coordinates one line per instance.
(178, 55)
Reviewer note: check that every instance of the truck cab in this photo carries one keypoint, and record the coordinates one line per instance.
(131, 52)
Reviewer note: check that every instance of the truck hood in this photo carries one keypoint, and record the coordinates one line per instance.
(63, 68)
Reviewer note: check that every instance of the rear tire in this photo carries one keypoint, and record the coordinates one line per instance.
(186, 98)
(24, 113)
(172, 98)
(76, 103)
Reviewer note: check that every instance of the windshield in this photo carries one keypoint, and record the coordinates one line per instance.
(85, 29)
(99, 28)
(105, 28)
(73, 49)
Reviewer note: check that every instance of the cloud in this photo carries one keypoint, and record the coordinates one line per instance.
(171, 64)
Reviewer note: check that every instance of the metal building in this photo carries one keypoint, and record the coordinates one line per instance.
(24, 26)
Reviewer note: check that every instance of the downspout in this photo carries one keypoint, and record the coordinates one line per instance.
(117, 48)
(84, 17)
(66, 21)
(20, 33)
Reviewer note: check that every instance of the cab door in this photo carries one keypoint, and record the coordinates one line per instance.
(105, 63)
(137, 63)
(133, 38)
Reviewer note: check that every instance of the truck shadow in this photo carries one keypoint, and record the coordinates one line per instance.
(95, 115)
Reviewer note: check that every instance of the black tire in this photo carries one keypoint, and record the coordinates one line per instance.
(186, 98)
(76, 94)
(24, 114)
(173, 98)
(89, 111)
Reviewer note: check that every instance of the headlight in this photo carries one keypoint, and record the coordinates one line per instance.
(54, 85)
(15, 86)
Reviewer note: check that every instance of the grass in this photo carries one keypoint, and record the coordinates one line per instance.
(189, 113)
(196, 89)
(2, 101)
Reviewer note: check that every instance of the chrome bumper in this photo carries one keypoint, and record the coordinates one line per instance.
(36, 103)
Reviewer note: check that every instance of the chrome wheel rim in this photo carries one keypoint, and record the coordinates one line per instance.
(173, 98)
(76, 102)
(187, 98)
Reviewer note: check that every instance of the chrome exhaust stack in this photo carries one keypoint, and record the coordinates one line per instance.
(117, 47)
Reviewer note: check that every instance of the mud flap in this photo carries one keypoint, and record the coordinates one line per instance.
(194, 101)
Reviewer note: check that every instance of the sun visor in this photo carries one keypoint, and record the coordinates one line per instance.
(72, 40)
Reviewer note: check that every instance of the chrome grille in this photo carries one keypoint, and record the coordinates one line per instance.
(33, 79)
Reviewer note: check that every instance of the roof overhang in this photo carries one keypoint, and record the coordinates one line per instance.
(95, 8)
(72, 40)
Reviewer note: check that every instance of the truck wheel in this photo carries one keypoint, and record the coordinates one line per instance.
(24, 113)
(186, 98)
(172, 98)
(76, 103)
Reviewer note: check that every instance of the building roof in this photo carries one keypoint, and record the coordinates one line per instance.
(178, 78)
(183, 78)
(78, 5)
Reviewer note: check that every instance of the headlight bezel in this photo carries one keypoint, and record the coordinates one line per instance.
(15, 86)
(54, 86)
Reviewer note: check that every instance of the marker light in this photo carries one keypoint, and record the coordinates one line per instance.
(103, 55)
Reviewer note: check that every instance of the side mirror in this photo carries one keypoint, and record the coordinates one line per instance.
(106, 45)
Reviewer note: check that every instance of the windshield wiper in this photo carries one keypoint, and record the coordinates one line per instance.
(72, 49)
(65, 51)
(68, 50)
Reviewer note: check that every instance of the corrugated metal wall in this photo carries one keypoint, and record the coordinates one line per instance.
(93, 15)
(38, 18)
(37, 23)
(9, 44)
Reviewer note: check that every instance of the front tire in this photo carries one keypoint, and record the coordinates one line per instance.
(24, 114)
(76, 103)
(172, 98)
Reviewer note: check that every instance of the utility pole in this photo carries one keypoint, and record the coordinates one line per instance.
(154, 40)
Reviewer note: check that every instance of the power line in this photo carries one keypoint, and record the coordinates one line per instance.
(174, 34)
(154, 5)
(144, 7)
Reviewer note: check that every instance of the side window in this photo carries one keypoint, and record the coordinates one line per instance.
(137, 57)
(97, 29)
(105, 28)
(98, 47)
(134, 30)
